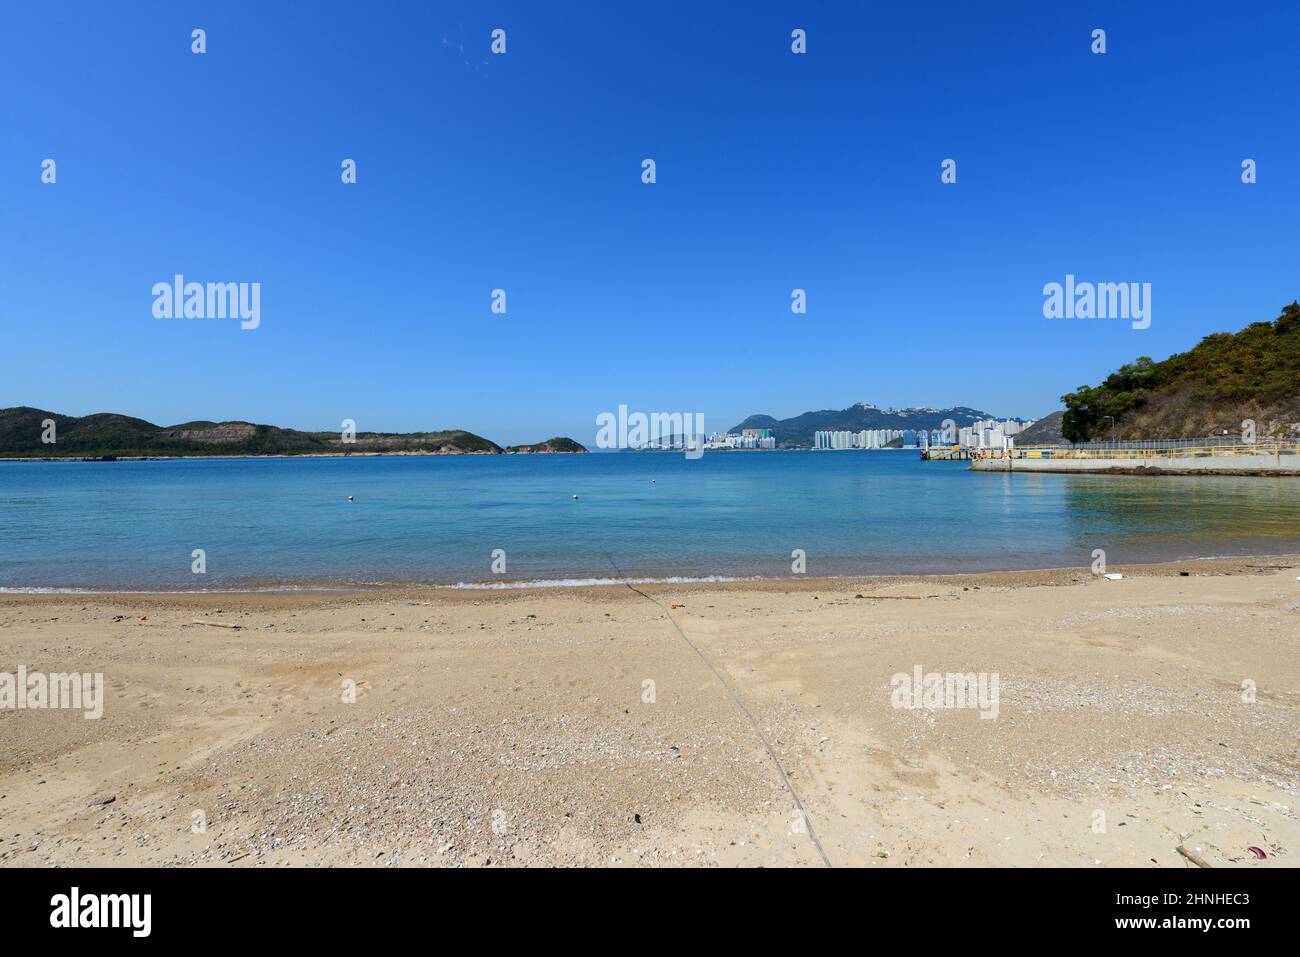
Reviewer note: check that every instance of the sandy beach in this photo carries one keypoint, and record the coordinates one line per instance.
(580, 727)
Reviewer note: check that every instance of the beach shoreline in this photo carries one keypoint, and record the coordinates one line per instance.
(596, 726)
(307, 594)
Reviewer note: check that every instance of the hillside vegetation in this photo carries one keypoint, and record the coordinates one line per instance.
(106, 433)
(1227, 378)
(557, 444)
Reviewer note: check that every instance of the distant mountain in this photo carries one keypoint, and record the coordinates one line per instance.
(1225, 379)
(558, 444)
(106, 433)
(798, 432)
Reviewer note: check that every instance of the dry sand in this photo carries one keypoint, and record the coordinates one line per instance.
(509, 727)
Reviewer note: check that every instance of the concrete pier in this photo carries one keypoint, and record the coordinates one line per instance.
(1272, 460)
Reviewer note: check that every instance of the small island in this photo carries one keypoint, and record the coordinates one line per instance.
(558, 444)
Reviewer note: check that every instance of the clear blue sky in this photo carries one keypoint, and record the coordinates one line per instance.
(522, 171)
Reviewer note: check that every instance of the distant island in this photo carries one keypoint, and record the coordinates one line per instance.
(557, 444)
(26, 432)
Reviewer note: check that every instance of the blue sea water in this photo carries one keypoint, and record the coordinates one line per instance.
(437, 519)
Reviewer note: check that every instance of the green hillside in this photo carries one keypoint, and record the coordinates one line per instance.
(22, 428)
(1227, 378)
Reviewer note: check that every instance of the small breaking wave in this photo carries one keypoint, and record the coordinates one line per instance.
(589, 582)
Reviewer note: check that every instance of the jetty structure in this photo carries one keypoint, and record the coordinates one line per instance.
(1190, 457)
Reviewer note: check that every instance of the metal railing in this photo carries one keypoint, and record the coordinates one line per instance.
(1215, 440)
(1142, 450)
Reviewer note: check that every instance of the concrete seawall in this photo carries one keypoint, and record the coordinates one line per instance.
(1269, 464)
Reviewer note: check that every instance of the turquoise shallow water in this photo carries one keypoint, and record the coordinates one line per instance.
(287, 522)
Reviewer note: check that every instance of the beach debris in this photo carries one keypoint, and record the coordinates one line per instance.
(349, 498)
(142, 618)
(1184, 574)
(1258, 852)
(220, 624)
(1114, 576)
(1192, 856)
(103, 800)
(575, 498)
